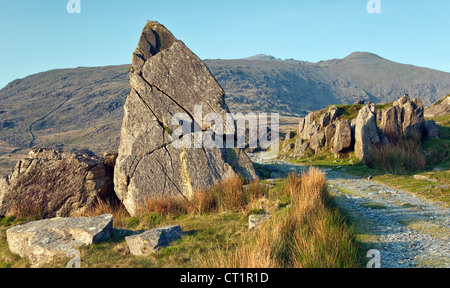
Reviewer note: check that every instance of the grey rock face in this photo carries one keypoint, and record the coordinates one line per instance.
(366, 132)
(168, 79)
(403, 118)
(42, 241)
(300, 148)
(342, 138)
(52, 183)
(432, 129)
(153, 240)
(317, 141)
(289, 135)
(330, 131)
(255, 221)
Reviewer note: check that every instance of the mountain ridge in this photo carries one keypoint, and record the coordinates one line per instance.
(82, 107)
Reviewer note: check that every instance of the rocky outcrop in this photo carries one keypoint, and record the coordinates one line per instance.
(440, 108)
(49, 183)
(366, 131)
(342, 143)
(339, 131)
(313, 132)
(405, 117)
(42, 241)
(167, 79)
(153, 240)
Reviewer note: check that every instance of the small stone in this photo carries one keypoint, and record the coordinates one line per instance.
(153, 240)
(255, 221)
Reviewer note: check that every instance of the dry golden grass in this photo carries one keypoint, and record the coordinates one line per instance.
(398, 158)
(229, 195)
(310, 234)
(120, 214)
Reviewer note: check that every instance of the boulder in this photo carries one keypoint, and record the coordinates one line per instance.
(391, 123)
(325, 120)
(366, 132)
(342, 139)
(49, 183)
(440, 108)
(153, 240)
(329, 131)
(317, 141)
(255, 221)
(404, 118)
(168, 79)
(432, 129)
(300, 148)
(308, 127)
(289, 135)
(42, 241)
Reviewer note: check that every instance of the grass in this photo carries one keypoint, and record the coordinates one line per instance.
(396, 168)
(348, 112)
(400, 158)
(312, 233)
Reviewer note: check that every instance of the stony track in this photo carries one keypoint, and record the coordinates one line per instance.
(408, 231)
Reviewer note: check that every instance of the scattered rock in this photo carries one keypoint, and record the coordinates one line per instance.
(255, 221)
(42, 241)
(49, 183)
(153, 240)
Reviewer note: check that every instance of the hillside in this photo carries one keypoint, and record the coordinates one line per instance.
(81, 108)
(295, 87)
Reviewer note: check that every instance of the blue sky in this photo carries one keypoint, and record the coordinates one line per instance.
(40, 35)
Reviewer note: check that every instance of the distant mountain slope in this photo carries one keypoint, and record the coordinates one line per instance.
(68, 106)
(83, 107)
(294, 87)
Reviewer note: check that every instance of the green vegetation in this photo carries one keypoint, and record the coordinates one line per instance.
(311, 232)
(168, 130)
(385, 106)
(396, 165)
(349, 112)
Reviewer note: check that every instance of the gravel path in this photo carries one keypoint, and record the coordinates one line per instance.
(408, 231)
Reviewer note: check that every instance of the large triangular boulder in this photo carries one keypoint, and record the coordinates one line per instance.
(168, 80)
